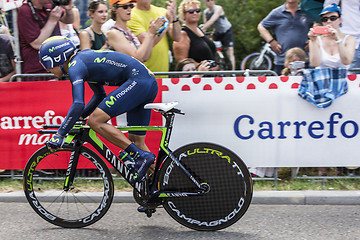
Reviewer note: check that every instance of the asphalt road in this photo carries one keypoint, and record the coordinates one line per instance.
(19, 221)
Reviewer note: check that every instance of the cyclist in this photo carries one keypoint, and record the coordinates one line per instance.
(137, 87)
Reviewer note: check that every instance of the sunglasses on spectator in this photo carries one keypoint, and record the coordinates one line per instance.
(332, 18)
(131, 6)
(198, 10)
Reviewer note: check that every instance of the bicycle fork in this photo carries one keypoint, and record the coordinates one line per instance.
(71, 170)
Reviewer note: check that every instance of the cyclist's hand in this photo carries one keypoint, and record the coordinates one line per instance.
(276, 47)
(55, 142)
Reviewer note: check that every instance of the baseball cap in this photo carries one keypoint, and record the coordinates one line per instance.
(112, 2)
(331, 8)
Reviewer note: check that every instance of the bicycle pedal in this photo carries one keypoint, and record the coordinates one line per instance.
(149, 212)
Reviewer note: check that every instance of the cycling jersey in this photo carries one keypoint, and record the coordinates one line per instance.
(137, 87)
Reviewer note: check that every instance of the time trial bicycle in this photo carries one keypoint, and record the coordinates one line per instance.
(203, 186)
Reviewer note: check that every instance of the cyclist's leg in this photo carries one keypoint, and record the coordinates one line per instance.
(139, 140)
(98, 121)
(126, 98)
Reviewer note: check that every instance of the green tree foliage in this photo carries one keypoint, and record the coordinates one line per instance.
(244, 15)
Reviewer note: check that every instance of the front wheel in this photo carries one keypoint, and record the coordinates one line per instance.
(227, 177)
(89, 197)
(251, 62)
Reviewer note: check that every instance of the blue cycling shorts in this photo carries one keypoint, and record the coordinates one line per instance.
(131, 97)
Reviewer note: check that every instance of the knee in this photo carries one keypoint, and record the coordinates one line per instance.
(91, 122)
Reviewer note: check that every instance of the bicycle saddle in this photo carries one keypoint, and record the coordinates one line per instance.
(161, 106)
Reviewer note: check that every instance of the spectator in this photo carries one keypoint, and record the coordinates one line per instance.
(7, 63)
(294, 56)
(290, 25)
(71, 30)
(332, 50)
(37, 21)
(76, 13)
(4, 30)
(189, 65)
(139, 25)
(123, 40)
(93, 37)
(68, 30)
(193, 44)
(350, 24)
(214, 16)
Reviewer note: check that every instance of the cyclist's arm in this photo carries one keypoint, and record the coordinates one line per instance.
(181, 48)
(76, 108)
(99, 95)
(218, 12)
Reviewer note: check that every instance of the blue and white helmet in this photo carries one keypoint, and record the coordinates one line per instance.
(54, 51)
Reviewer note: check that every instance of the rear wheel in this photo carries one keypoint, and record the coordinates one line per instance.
(227, 176)
(89, 197)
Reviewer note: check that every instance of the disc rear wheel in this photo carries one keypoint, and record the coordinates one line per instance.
(228, 179)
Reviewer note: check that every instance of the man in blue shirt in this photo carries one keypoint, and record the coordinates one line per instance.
(290, 25)
(137, 87)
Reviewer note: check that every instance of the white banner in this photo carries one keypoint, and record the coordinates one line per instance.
(8, 5)
(265, 122)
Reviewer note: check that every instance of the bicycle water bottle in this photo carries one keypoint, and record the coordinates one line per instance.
(127, 160)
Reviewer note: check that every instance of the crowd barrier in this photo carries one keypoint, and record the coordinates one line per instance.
(262, 119)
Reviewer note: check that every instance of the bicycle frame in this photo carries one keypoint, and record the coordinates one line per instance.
(264, 50)
(82, 133)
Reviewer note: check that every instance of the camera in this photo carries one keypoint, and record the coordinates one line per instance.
(212, 63)
(60, 2)
(296, 65)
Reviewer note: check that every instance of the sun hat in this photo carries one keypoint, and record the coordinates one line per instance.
(331, 8)
(112, 2)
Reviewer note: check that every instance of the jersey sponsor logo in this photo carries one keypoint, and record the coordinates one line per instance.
(114, 63)
(110, 62)
(72, 63)
(123, 92)
(111, 102)
(98, 60)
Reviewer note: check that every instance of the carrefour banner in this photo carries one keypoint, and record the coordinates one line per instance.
(265, 122)
(262, 119)
(26, 106)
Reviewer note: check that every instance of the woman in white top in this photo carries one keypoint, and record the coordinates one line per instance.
(333, 49)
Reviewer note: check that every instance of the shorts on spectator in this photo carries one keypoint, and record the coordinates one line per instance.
(226, 38)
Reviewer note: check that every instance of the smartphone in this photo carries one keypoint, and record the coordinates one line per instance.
(321, 30)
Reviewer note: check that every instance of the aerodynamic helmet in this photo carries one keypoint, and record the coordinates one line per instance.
(55, 50)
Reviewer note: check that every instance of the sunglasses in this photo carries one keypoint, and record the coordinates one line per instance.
(332, 18)
(198, 10)
(131, 6)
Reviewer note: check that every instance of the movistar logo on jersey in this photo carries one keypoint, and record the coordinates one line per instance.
(72, 63)
(57, 47)
(98, 60)
(111, 102)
